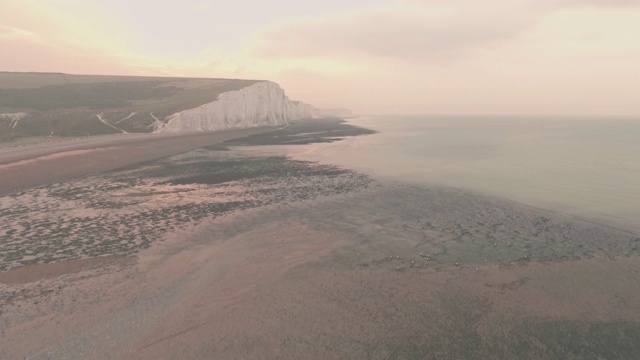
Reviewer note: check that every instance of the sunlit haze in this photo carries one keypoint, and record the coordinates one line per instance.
(570, 57)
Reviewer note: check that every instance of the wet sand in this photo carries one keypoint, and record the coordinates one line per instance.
(28, 166)
(265, 257)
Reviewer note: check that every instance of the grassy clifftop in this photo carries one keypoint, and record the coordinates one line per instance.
(43, 104)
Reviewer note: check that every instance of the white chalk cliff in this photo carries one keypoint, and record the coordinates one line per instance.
(13, 117)
(261, 104)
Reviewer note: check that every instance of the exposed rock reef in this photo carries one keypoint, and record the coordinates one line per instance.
(261, 104)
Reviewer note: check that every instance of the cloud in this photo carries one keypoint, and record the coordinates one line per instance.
(599, 3)
(416, 30)
(403, 34)
(14, 33)
(28, 56)
(532, 3)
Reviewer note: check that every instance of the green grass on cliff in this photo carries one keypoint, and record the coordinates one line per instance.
(68, 105)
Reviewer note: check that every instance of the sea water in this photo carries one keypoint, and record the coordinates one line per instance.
(584, 167)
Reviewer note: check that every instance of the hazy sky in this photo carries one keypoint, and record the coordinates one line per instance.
(373, 56)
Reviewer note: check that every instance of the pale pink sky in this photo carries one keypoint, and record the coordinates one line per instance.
(374, 56)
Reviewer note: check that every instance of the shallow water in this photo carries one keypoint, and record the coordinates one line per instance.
(588, 168)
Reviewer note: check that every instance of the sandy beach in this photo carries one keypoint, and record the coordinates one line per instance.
(31, 165)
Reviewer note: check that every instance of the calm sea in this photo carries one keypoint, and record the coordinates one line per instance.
(584, 167)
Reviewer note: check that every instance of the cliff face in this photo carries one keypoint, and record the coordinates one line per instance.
(260, 104)
(45, 104)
